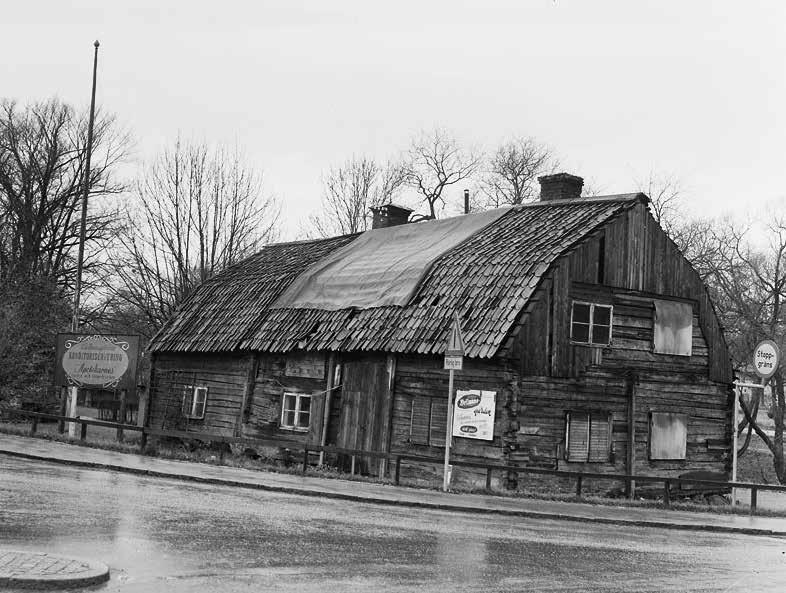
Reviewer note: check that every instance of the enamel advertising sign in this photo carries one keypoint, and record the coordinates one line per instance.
(93, 360)
(473, 414)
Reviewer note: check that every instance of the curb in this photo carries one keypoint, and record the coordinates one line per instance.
(18, 572)
(405, 503)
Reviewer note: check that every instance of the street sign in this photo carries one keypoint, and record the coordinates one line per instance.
(453, 363)
(766, 358)
(455, 340)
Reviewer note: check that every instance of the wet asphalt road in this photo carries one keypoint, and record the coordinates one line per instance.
(166, 535)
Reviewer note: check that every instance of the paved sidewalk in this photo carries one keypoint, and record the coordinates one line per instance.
(44, 450)
(33, 570)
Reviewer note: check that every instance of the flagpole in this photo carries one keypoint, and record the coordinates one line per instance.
(73, 392)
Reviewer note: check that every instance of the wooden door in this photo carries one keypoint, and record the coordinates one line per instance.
(364, 422)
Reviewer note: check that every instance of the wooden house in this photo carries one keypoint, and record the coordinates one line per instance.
(585, 327)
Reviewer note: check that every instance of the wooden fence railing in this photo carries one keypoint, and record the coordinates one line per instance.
(399, 458)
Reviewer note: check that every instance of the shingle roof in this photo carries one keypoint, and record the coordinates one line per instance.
(487, 279)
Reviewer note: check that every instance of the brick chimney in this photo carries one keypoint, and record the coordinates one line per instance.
(389, 215)
(560, 186)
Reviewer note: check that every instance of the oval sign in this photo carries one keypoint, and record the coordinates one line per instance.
(766, 358)
(469, 429)
(468, 401)
(95, 361)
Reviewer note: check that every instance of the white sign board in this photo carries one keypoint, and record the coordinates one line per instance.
(766, 358)
(473, 414)
(453, 363)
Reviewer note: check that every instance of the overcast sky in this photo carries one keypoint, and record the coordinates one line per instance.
(617, 88)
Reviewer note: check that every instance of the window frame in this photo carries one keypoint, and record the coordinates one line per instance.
(590, 414)
(297, 410)
(190, 392)
(591, 324)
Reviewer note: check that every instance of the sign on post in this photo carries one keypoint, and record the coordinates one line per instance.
(473, 416)
(454, 361)
(766, 358)
(100, 361)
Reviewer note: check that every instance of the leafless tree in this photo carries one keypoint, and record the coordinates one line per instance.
(42, 164)
(349, 191)
(513, 170)
(665, 193)
(434, 162)
(197, 210)
(748, 285)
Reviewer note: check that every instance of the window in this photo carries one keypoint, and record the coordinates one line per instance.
(668, 435)
(591, 323)
(673, 325)
(296, 411)
(427, 421)
(588, 436)
(194, 401)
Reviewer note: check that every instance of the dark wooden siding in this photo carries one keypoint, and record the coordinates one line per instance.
(422, 380)
(270, 384)
(223, 374)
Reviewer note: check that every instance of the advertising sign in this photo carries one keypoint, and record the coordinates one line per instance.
(93, 360)
(766, 358)
(473, 414)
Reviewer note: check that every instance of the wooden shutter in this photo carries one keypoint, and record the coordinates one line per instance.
(577, 436)
(419, 420)
(439, 419)
(317, 413)
(600, 437)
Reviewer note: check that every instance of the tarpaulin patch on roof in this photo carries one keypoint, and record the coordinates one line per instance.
(382, 267)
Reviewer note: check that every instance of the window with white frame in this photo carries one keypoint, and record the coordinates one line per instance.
(295, 411)
(591, 323)
(588, 436)
(194, 401)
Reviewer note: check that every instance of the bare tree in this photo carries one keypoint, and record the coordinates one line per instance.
(42, 164)
(198, 210)
(350, 190)
(434, 162)
(665, 193)
(748, 285)
(513, 170)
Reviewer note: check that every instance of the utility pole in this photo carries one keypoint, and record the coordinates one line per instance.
(82, 232)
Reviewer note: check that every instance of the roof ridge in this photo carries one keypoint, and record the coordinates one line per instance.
(629, 197)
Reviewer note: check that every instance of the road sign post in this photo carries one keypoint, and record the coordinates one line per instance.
(766, 359)
(454, 361)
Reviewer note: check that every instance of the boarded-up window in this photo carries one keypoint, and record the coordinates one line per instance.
(588, 436)
(427, 421)
(439, 421)
(668, 435)
(591, 323)
(673, 328)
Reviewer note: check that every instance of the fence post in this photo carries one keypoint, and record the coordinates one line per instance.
(488, 478)
(667, 493)
(34, 425)
(579, 480)
(754, 497)
(143, 440)
(305, 459)
(63, 410)
(83, 432)
(121, 415)
(398, 469)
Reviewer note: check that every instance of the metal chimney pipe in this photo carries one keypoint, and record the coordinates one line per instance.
(466, 201)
